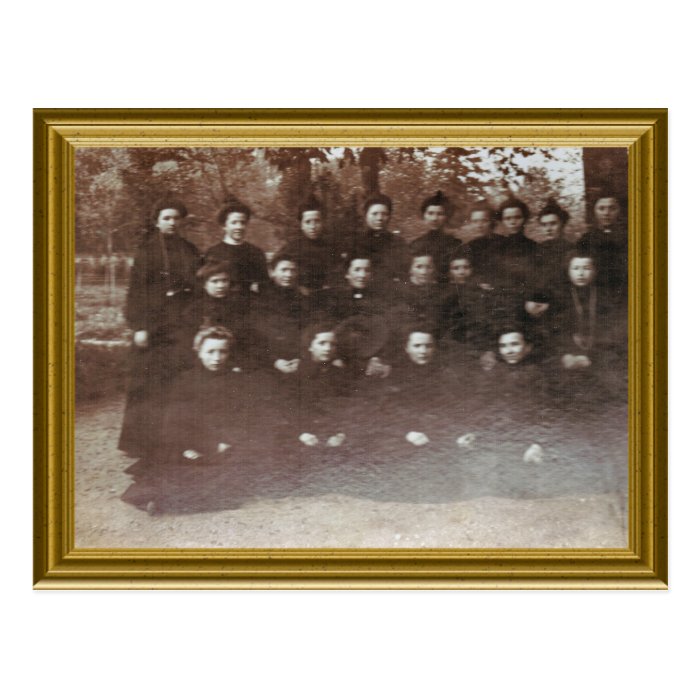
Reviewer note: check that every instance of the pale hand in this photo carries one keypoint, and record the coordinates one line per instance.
(141, 339)
(336, 440)
(308, 439)
(287, 366)
(466, 440)
(417, 439)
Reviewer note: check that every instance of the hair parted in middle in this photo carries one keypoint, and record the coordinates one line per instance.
(513, 203)
(231, 205)
(310, 203)
(439, 199)
(553, 207)
(377, 198)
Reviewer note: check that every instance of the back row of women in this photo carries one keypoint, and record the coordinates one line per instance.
(371, 304)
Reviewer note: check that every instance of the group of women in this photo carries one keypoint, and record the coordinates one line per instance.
(333, 329)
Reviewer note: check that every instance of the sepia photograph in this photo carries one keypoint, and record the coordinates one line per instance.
(351, 347)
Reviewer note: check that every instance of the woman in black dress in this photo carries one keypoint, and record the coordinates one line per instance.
(161, 284)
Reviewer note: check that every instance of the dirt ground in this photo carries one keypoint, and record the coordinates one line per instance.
(483, 497)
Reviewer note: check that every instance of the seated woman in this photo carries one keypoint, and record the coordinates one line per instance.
(208, 404)
(418, 299)
(217, 302)
(419, 400)
(358, 295)
(319, 390)
(591, 322)
(310, 247)
(465, 308)
(436, 212)
(278, 314)
(208, 419)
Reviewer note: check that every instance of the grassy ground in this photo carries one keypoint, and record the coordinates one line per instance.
(99, 313)
(101, 342)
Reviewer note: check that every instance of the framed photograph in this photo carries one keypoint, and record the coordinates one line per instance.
(350, 348)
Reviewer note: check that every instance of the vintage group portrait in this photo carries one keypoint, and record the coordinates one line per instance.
(296, 350)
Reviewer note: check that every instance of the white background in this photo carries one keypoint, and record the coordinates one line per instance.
(349, 644)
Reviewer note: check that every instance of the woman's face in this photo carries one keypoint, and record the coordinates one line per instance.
(435, 216)
(213, 354)
(420, 348)
(311, 224)
(168, 221)
(377, 217)
(512, 347)
(422, 270)
(218, 285)
(512, 220)
(552, 227)
(606, 211)
(359, 273)
(581, 271)
(234, 226)
(481, 222)
(285, 274)
(460, 270)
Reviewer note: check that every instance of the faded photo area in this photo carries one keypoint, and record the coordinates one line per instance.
(351, 348)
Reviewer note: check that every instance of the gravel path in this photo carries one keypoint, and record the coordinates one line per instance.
(577, 497)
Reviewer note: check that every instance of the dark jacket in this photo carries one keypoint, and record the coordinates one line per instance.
(207, 408)
(440, 246)
(247, 261)
(387, 251)
(161, 283)
(610, 251)
(315, 260)
(278, 316)
(504, 262)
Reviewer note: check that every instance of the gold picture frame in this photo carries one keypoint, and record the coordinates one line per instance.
(59, 565)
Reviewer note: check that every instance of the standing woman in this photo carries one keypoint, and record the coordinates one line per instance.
(310, 247)
(552, 246)
(161, 284)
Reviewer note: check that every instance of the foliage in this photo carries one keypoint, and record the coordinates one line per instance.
(115, 188)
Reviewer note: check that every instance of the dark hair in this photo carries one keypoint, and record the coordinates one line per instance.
(606, 195)
(283, 257)
(212, 333)
(311, 203)
(513, 203)
(579, 251)
(539, 295)
(232, 206)
(461, 253)
(553, 208)
(377, 198)
(514, 326)
(214, 267)
(168, 203)
(357, 254)
(408, 331)
(310, 332)
(437, 200)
